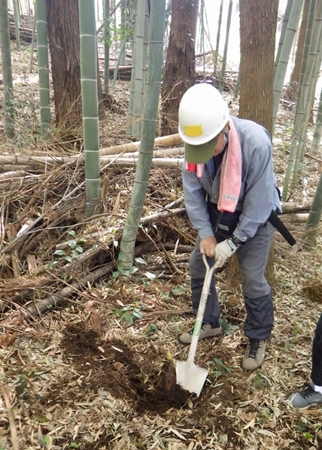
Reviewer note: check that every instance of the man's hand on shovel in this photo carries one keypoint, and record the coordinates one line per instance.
(207, 246)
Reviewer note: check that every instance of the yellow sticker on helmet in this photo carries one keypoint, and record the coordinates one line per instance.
(193, 130)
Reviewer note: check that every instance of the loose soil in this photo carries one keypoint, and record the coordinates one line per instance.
(115, 368)
(137, 379)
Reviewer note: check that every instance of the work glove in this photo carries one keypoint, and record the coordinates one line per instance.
(223, 251)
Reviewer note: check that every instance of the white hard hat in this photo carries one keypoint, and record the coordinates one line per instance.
(203, 113)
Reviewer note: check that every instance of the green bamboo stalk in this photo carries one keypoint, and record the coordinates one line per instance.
(153, 84)
(308, 38)
(88, 63)
(8, 107)
(224, 60)
(106, 44)
(17, 22)
(29, 12)
(284, 55)
(283, 30)
(138, 70)
(202, 34)
(299, 124)
(313, 221)
(218, 37)
(308, 89)
(317, 61)
(318, 129)
(123, 46)
(43, 66)
(32, 44)
(121, 57)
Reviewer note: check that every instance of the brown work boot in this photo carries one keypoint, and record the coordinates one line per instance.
(254, 355)
(207, 331)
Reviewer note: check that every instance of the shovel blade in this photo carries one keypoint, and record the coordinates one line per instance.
(190, 377)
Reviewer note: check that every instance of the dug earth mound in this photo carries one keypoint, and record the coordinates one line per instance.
(112, 366)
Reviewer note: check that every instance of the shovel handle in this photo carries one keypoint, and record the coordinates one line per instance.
(201, 309)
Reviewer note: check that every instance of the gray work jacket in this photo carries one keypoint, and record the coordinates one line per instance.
(258, 194)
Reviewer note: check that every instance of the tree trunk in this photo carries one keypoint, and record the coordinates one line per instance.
(258, 22)
(63, 33)
(257, 44)
(179, 73)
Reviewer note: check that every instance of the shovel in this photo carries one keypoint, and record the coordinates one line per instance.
(189, 376)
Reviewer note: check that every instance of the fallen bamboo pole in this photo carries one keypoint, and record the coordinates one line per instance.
(164, 141)
(130, 161)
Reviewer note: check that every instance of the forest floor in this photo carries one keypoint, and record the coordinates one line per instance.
(93, 373)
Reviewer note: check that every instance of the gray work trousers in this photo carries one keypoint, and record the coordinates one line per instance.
(316, 374)
(252, 258)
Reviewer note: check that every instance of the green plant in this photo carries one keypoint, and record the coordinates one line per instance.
(267, 413)
(140, 260)
(308, 436)
(296, 328)
(122, 272)
(129, 313)
(153, 328)
(150, 276)
(301, 426)
(258, 381)
(74, 249)
(178, 290)
(227, 328)
(24, 385)
(21, 386)
(119, 33)
(46, 441)
(221, 368)
(73, 445)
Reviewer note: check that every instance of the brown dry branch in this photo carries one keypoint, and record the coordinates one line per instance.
(292, 218)
(56, 300)
(289, 208)
(5, 393)
(20, 238)
(105, 237)
(32, 241)
(111, 14)
(175, 312)
(312, 289)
